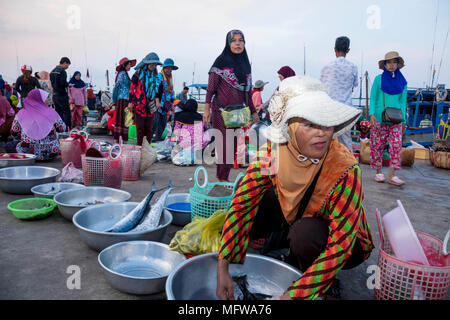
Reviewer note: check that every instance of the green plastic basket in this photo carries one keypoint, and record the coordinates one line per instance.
(204, 206)
(32, 208)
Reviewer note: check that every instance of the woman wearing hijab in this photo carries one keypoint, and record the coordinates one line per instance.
(120, 98)
(77, 98)
(304, 185)
(26, 82)
(146, 90)
(6, 118)
(285, 72)
(36, 126)
(389, 89)
(229, 83)
(167, 98)
(189, 130)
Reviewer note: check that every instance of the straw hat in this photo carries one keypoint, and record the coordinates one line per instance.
(307, 98)
(391, 55)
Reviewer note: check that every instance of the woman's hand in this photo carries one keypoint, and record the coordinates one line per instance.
(255, 117)
(130, 107)
(158, 105)
(206, 115)
(224, 290)
(373, 121)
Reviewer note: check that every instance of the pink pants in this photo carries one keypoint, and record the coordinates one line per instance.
(379, 135)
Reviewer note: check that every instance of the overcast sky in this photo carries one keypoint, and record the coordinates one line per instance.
(96, 34)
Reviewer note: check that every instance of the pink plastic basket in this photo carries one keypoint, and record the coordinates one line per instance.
(131, 158)
(105, 171)
(401, 280)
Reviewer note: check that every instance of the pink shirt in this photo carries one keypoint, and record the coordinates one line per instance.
(78, 96)
(257, 100)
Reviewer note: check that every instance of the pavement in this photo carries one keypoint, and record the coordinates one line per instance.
(36, 257)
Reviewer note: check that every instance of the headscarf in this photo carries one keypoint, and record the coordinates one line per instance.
(150, 79)
(5, 109)
(286, 72)
(294, 177)
(77, 83)
(189, 113)
(392, 82)
(36, 118)
(121, 68)
(235, 69)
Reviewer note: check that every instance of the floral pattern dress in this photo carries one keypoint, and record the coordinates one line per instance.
(43, 149)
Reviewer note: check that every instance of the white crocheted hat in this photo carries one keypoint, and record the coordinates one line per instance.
(307, 98)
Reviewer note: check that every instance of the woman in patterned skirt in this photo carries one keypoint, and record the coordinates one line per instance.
(306, 187)
(229, 83)
(120, 97)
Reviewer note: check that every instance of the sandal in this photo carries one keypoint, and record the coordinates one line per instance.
(396, 181)
(379, 177)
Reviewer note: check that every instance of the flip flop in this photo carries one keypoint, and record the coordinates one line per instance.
(396, 181)
(379, 177)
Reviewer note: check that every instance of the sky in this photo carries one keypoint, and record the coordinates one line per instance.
(96, 34)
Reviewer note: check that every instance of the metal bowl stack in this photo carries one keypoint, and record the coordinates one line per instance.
(138, 267)
(92, 222)
(20, 180)
(71, 201)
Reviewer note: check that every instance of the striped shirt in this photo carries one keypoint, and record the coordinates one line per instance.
(343, 209)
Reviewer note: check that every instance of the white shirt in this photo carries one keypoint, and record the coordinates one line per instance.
(340, 77)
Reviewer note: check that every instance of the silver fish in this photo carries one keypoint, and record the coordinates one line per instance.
(151, 221)
(132, 219)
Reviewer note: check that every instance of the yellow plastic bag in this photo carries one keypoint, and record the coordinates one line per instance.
(85, 110)
(128, 118)
(200, 236)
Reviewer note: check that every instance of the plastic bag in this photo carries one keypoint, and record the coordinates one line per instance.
(164, 150)
(71, 174)
(200, 236)
(236, 118)
(148, 156)
(128, 118)
(182, 157)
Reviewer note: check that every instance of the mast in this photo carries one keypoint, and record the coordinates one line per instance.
(304, 59)
(367, 95)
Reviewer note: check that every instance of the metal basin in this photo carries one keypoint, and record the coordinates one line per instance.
(71, 201)
(196, 278)
(29, 160)
(20, 180)
(138, 267)
(180, 217)
(92, 221)
(49, 190)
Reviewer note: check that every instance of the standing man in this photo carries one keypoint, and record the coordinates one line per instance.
(58, 77)
(341, 77)
(182, 96)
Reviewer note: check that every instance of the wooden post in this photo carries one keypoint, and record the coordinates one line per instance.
(367, 95)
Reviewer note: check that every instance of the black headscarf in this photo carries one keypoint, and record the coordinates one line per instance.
(238, 62)
(189, 114)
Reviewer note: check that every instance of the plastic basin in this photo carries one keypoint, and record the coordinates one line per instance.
(32, 208)
(402, 237)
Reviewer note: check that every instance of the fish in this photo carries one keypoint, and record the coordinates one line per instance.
(135, 216)
(152, 219)
(242, 283)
